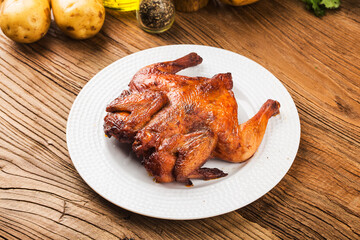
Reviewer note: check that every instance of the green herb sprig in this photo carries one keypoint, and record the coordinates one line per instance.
(318, 7)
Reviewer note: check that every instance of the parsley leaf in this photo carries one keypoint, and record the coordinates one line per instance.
(319, 6)
(331, 3)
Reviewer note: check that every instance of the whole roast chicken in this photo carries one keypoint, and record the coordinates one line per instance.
(176, 123)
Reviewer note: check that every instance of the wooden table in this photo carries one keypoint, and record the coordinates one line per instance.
(317, 60)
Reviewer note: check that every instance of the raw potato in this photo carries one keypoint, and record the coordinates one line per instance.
(79, 19)
(25, 21)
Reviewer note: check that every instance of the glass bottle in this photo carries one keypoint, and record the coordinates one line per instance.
(121, 5)
(155, 16)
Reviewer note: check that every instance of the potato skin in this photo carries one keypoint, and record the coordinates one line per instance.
(79, 19)
(25, 21)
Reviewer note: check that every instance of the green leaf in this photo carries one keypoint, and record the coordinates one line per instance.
(331, 3)
(318, 10)
(319, 6)
(313, 5)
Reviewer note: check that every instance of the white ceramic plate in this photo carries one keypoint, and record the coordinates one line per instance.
(111, 169)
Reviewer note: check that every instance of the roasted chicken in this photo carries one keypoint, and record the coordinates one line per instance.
(176, 123)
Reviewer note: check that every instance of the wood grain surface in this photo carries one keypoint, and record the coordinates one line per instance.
(318, 60)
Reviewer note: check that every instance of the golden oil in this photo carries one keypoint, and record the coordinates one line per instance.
(121, 5)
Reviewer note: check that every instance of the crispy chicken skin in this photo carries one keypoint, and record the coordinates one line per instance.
(176, 123)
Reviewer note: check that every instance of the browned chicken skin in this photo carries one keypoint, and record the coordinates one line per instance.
(176, 123)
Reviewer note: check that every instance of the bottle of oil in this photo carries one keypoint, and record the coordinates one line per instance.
(121, 5)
